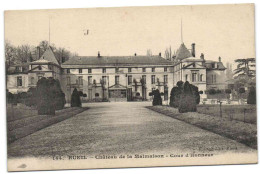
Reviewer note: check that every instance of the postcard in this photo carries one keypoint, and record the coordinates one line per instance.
(130, 87)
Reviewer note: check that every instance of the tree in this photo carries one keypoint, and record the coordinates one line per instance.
(251, 99)
(168, 53)
(75, 98)
(157, 99)
(176, 94)
(49, 96)
(244, 67)
(185, 97)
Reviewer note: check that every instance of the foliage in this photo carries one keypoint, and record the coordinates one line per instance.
(27, 53)
(244, 67)
(157, 99)
(49, 96)
(185, 96)
(187, 103)
(228, 91)
(241, 90)
(75, 98)
(251, 99)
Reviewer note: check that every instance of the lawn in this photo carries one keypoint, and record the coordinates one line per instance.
(24, 124)
(239, 131)
(245, 113)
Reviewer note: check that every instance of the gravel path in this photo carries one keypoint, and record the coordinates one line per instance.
(122, 128)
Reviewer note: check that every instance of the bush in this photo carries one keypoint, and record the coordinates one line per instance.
(75, 98)
(228, 91)
(49, 96)
(9, 97)
(241, 90)
(182, 93)
(187, 103)
(212, 91)
(251, 99)
(157, 99)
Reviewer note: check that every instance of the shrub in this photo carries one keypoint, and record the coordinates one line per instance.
(157, 99)
(212, 91)
(175, 97)
(241, 90)
(228, 91)
(75, 98)
(49, 96)
(31, 99)
(251, 99)
(9, 97)
(182, 94)
(187, 103)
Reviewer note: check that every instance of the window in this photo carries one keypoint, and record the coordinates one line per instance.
(144, 78)
(50, 67)
(19, 81)
(104, 70)
(89, 70)
(165, 78)
(32, 80)
(186, 77)
(68, 80)
(194, 75)
(201, 77)
(129, 69)
(89, 80)
(153, 69)
(68, 71)
(214, 78)
(213, 65)
(80, 70)
(80, 80)
(39, 68)
(144, 69)
(116, 80)
(153, 79)
(117, 70)
(130, 80)
(165, 69)
(104, 79)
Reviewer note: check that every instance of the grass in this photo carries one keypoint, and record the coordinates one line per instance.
(245, 113)
(22, 127)
(244, 133)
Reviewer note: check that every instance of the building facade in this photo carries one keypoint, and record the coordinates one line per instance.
(119, 78)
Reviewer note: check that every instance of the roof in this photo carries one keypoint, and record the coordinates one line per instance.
(217, 65)
(183, 52)
(49, 56)
(116, 60)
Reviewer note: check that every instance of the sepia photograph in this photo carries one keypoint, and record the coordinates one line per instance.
(121, 87)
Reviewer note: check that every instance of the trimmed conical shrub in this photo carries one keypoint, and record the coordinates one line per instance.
(75, 98)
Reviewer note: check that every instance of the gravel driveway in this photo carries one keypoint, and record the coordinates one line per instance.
(122, 128)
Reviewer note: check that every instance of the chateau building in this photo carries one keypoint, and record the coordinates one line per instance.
(119, 78)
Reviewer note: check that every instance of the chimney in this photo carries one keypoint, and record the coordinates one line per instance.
(39, 52)
(202, 56)
(99, 54)
(219, 59)
(135, 54)
(62, 59)
(193, 49)
(160, 54)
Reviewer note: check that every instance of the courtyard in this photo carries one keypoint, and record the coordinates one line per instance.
(121, 128)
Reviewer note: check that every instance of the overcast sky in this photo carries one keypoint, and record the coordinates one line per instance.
(217, 30)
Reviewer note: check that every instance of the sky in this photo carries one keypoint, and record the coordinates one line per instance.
(217, 30)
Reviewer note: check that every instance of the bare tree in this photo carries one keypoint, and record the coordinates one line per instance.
(168, 53)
